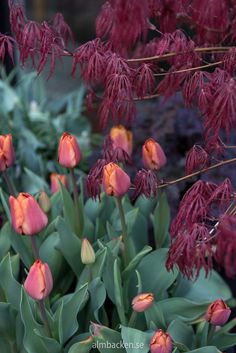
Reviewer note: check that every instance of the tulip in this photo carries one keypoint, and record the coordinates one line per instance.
(122, 138)
(44, 201)
(218, 313)
(7, 154)
(39, 282)
(153, 155)
(26, 214)
(69, 154)
(115, 181)
(161, 342)
(55, 185)
(87, 252)
(142, 302)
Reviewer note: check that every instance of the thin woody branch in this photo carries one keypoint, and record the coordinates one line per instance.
(204, 170)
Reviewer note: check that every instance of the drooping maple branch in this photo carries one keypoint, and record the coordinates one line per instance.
(168, 55)
(204, 170)
(190, 69)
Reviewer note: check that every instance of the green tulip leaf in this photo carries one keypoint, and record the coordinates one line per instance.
(70, 246)
(135, 341)
(97, 296)
(67, 313)
(182, 334)
(119, 300)
(161, 220)
(10, 287)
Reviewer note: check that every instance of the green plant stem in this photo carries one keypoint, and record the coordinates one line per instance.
(34, 247)
(9, 183)
(132, 319)
(44, 317)
(210, 334)
(124, 230)
(76, 200)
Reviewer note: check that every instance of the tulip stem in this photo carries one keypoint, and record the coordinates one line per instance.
(210, 334)
(124, 230)
(132, 319)
(76, 200)
(34, 247)
(9, 183)
(44, 317)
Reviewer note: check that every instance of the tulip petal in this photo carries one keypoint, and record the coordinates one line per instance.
(46, 272)
(119, 181)
(34, 218)
(16, 214)
(66, 155)
(35, 283)
(8, 150)
(2, 161)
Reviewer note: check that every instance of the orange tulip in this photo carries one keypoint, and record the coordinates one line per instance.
(218, 313)
(153, 155)
(142, 302)
(27, 216)
(39, 282)
(55, 185)
(161, 342)
(122, 138)
(115, 181)
(7, 154)
(69, 154)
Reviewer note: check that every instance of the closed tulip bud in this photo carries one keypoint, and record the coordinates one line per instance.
(44, 201)
(161, 342)
(115, 181)
(122, 138)
(7, 154)
(218, 313)
(153, 155)
(55, 184)
(142, 302)
(87, 253)
(26, 214)
(69, 154)
(39, 282)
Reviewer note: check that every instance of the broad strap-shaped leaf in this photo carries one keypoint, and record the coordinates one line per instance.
(119, 300)
(10, 287)
(66, 313)
(35, 337)
(135, 341)
(135, 261)
(182, 334)
(107, 340)
(161, 220)
(97, 296)
(70, 246)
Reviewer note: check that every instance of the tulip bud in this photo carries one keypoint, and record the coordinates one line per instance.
(87, 252)
(142, 302)
(7, 154)
(26, 214)
(55, 185)
(44, 201)
(161, 342)
(115, 181)
(153, 155)
(218, 313)
(69, 154)
(122, 138)
(39, 282)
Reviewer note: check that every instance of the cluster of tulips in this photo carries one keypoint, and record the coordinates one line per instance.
(29, 218)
